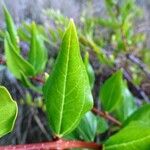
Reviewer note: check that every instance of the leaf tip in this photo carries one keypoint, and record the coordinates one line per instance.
(71, 23)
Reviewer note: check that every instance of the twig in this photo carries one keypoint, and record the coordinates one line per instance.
(2, 60)
(39, 123)
(106, 116)
(38, 79)
(54, 145)
(138, 62)
(137, 88)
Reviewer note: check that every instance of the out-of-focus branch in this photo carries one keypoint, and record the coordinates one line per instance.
(106, 116)
(137, 88)
(138, 62)
(57, 145)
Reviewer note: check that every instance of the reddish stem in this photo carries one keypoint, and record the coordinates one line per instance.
(106, 116)
(38, 79)
(2, 61)
(55, 145)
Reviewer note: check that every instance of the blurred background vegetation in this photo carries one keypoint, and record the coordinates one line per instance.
(113, 34)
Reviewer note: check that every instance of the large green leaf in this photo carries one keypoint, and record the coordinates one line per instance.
(38, 52)
(8, 112)
(11, 29)
(135, 136)
(15, 62)
(67, 90)
(127, 104)
(110, 92)
(142, 114)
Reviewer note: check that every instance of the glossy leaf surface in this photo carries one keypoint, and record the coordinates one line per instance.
(110, 92)
(90, 70)
(8, 112)
(67, 90)
(135, 136)
(15, 62)
(127, 104)
(38, 52)
(142, 114)
(11, 29)
(86, 130)
(102, 125)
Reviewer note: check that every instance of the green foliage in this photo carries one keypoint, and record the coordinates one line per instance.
(26, 29)
(110, 91)
(15, 62)
(127, 104)
(134, 136)
(102, 125)
(8, 112)
(90, 70)
(142, 114)
(21, 68)
(11, 29)
(116, 97)
(135, 133)
(87, 128)
(38, 53)
(67, 91)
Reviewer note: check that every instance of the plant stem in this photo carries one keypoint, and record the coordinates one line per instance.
(2, 61)
(57, 145)
(38, 79)
(106, 116)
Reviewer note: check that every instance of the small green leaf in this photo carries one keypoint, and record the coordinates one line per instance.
(142, 114)
(102, 125)
(135, 136)
(8, 112)
(38, 52)
(127, 104)
(11, 29)
(67, 91)
(15, 62)
(86, 130)
(89, 70)
(110, 92)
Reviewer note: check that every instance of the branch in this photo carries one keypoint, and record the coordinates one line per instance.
(38, 79)
(139, 91)
(106, 116)
(58, 145)
(138, 62)
(2, 60)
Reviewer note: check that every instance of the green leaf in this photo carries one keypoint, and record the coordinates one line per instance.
(67, 90)
(135, 136)
(127, 104)
(110, 92)
(15, 62)
(86, 130)
(88, 127)
(89, 70)
(109, 23)
(11, 29)
(8, 112)
(38, 52)
(102, 125)
(142, 114)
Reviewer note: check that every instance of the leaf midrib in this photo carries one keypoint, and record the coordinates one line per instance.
(127, 143)
(64, 88)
